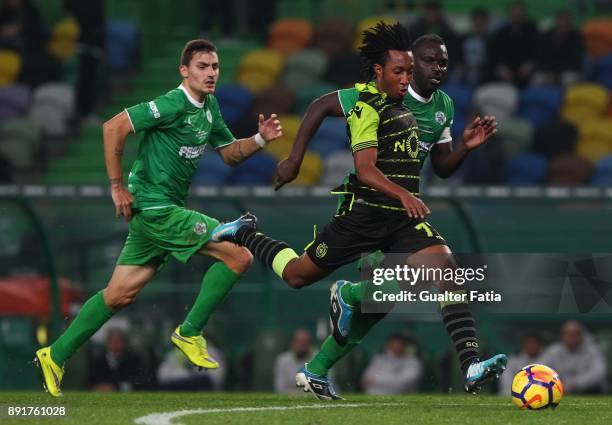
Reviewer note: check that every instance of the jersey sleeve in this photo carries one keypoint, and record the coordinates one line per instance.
(220, 135)
(363, 125)
(155, 113)
(348, 99)
(445, 136)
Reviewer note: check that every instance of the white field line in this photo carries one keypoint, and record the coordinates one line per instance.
(166, 418)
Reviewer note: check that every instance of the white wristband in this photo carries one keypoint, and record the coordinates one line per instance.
(260, 140)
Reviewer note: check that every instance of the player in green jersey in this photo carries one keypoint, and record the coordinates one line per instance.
(177, 127)
(381, 211)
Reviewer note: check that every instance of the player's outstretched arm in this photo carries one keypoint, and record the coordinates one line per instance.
(115, 131)
(269, 129)
(369, 174)
(327, 105)
(446, 159)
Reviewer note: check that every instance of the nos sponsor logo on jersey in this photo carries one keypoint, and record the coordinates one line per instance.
(154, 110)
(191, 152)
(440, 117)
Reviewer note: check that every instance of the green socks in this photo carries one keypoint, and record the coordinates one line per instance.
(331, 352)
(355, 293)
(92, 316)
(217, 282)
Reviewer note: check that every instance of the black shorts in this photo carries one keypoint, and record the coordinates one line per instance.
(367, 229)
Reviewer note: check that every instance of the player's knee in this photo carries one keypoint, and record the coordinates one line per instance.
(117, 300)
(240, 260)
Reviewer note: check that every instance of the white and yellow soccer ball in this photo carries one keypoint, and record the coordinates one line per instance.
(536, 387)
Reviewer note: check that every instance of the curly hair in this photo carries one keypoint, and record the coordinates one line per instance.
(377, 41)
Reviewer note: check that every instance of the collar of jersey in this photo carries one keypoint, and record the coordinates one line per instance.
(418, 96)
(370, 88)
(191, 99)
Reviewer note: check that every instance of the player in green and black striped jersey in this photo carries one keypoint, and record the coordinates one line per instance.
(380, 212)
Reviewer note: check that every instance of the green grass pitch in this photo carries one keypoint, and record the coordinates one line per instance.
(267, 409)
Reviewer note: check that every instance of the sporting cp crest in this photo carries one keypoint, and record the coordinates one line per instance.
(321, 250)
(440, 117)
(199, 228)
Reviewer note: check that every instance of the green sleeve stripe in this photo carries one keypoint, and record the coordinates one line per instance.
(364, 145)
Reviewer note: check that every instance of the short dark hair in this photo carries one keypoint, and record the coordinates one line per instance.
(425, 39)
(377, 42)
(194, 46)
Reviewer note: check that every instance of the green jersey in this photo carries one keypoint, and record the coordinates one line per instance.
(177, 129)
(434, 116)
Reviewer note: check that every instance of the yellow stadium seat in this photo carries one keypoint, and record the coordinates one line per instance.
(64, 39)
(10, 66)
(577, 114)
(259, 69)
(281, 148)
(255, 81)
(594, 96)
(593, 149)
(369, 23)
(289, 35)
(311, 170)
(596, 130)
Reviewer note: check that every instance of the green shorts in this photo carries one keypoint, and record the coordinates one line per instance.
(157, 234)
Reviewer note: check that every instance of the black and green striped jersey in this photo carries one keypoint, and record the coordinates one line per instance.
(387, 125)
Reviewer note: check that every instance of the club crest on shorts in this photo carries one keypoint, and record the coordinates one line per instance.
(321, 250)
(440, 117)
(199, 228)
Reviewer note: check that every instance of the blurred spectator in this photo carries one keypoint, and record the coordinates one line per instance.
(514, 47)
(21, 27)
(579, 361)
(91, 48)
(561, 53)
(23, 30)
(288, 363)
(397, 370)
(212, 11)
(433, 21)
(176, 373)
(474, 50)
(114, 369)
(531, 350)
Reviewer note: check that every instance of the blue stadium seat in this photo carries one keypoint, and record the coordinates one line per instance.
(602, 70)
(330, 137)
(539, 104)
(527, 169)
(212, 170)
(257, 170)
(14, 101)
(122, 44)
(460, 121)
(461, 95)
(602, 176)
(234, 100)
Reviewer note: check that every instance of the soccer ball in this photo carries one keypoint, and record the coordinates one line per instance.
(536, 387)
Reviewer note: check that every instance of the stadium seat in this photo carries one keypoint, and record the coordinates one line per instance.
(516, 135)
(19, 142)
(499, 99)
(257, 170)
(460, 121)
(212, 170)
(281, 148)
(10, 66)
(593, 150)
(64, 37)
(602, 70)
(602, 175)
(234, 101)
(303, 68)
(369, 23)
(461, 95)
(14, 101)
(259, 69)
(539, 104)
(311, 170)
(306, 94)
(336, 166)
(597, 35)
(277, 99)
(526, 169)
(569, 170)
(343, 70)
(589, 95)
(53, 105)
(122, 44)
(334, 37)
(330, 137)
(289, 35)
